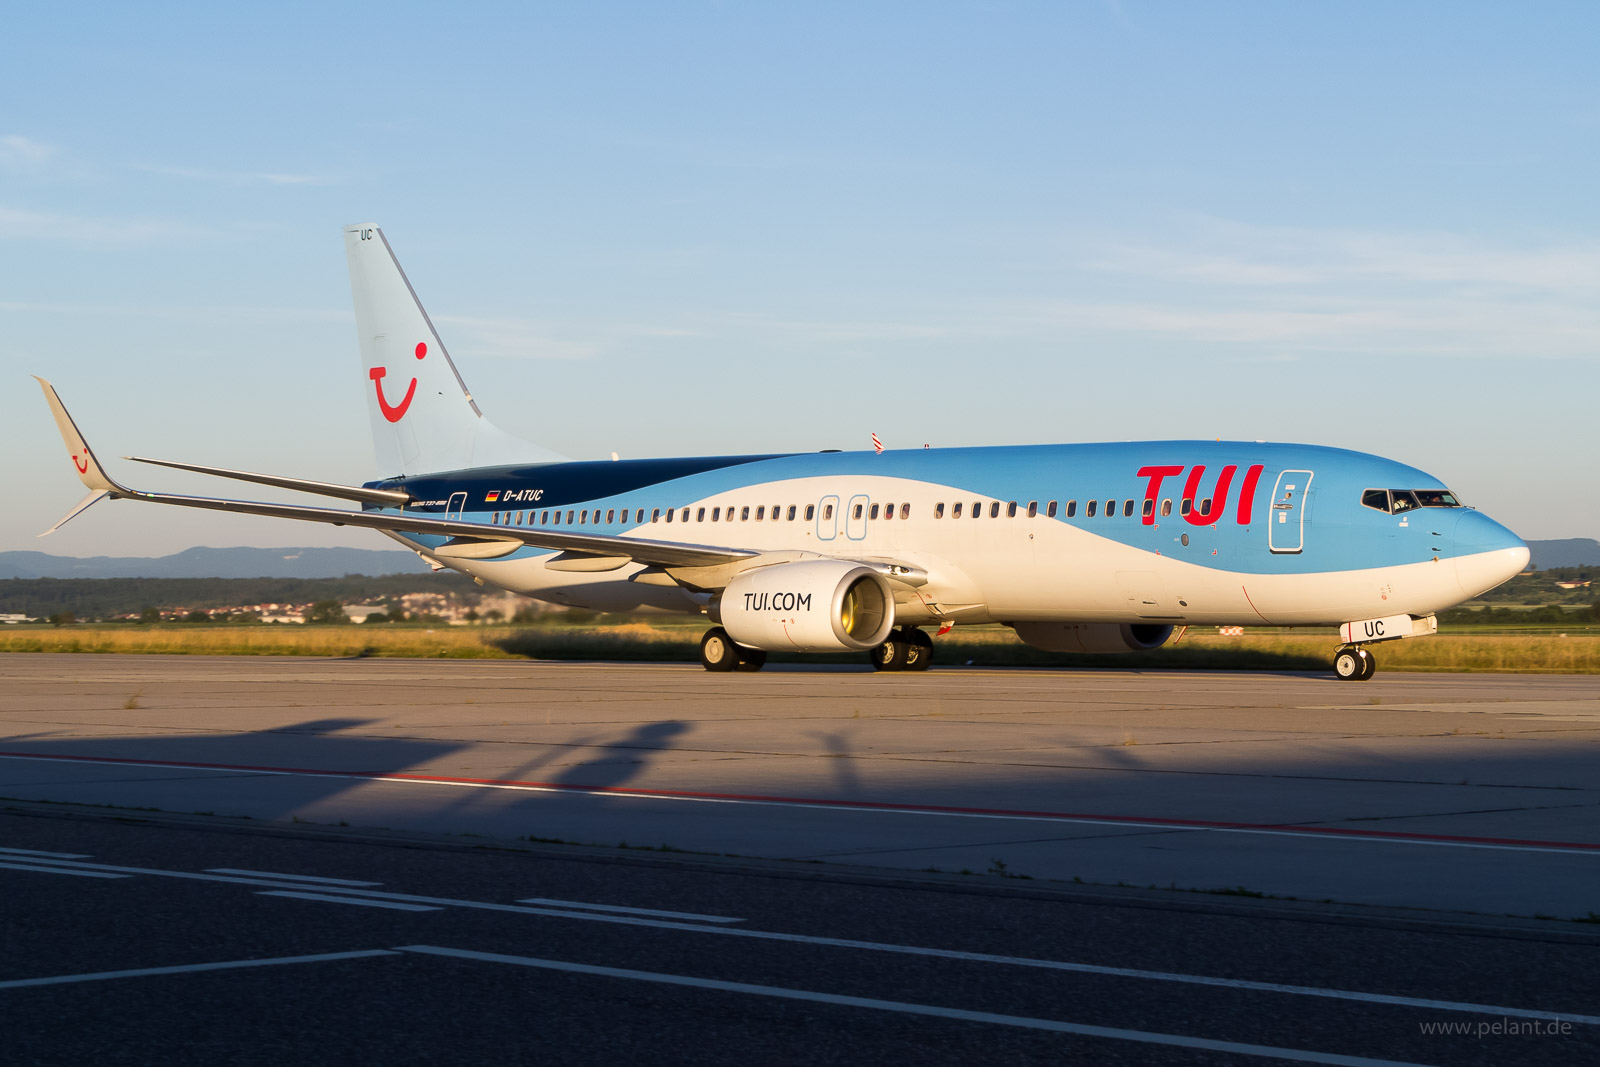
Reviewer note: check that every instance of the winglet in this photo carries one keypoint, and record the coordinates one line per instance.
(89, 470)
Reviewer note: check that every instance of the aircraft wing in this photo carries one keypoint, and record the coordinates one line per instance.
(466, 534)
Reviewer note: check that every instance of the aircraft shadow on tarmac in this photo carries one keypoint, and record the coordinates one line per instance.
(317, 745)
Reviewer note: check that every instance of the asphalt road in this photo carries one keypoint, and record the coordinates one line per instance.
(151, 939)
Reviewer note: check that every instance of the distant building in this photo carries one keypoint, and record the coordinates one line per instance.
(13, 619)
(1572, 585)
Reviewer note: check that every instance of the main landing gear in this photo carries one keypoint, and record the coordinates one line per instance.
(908, 649)
(719, 652)
(1353, 663)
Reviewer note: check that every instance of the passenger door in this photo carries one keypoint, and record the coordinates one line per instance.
(1286, 528)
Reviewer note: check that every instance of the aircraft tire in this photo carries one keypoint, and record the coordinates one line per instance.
(1351, 664)
(717, 651)
(891, 655)
(1369, 665)
(750, 659)
(919, 650)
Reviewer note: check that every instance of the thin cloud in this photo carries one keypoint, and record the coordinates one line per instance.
(23, 153)
(509, 338)
(236, 177)
(20, 225)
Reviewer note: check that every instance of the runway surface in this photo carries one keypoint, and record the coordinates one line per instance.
(1474, 793)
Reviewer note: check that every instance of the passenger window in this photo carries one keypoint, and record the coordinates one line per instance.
(905, 511)
(977, 509)
(583, 517)
(857, 513)
(938, 510)
(544, 518)
(1149, 509)
(1187, 506)
(558, 519)
(994, 510)
(1033, 509)
(1090, 510)
(1072, 508)
(655, 515)
(761, 513)
(685, 516)
(716, 514)
(1166, 508)
(611, 515)
(873, 514)
(1127, 509)
(1111, 509)
(791, 513)
(1050, 510)
(670, 513)
(1011, 510)
(700, 515)
(638, 516)
(955, 510)
(570, 514)
(1205, 506)
(495, 521)
(827, 512)
(744, 514)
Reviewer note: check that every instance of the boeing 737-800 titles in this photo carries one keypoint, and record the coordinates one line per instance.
(1079, 548)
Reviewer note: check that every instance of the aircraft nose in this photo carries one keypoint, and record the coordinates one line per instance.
(1487, 553)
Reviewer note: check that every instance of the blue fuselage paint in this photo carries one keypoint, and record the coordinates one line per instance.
(1323, 525)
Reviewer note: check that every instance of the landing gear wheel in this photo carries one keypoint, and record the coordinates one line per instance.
(717, 650)
(750, 659)
(891, 655)
(919, 649)
(1354, 664)
(1371, 665)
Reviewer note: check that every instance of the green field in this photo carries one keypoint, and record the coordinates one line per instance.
(1576, 650)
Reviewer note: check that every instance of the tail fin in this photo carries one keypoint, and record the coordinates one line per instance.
(424, 419)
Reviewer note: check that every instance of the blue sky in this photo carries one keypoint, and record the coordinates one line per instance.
(698, 227)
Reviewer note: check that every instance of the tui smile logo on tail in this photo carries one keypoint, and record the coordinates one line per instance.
(395, 412)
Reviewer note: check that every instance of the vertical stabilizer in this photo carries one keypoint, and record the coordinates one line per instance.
(424, 419)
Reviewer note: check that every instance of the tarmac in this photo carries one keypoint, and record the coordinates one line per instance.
(1442, 792)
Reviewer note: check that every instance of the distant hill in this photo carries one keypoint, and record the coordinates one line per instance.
(216, 563)
(1567, 552)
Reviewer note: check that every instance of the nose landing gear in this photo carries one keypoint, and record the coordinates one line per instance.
(1353, 663)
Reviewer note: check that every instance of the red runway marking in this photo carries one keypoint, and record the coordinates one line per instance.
(825, 802)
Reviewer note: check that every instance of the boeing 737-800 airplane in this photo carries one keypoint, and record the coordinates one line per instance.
(1079, 548)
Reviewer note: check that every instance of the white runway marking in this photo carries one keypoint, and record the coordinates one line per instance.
(147, 972)
(693, 916)
(291, 877)
(49, 855)
(1113, 1033)
(875, 946)
(60, 870)
(393, 905)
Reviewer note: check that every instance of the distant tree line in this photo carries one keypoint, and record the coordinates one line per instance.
(102, 598)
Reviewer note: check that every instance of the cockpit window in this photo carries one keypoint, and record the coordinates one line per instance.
(1396, 501)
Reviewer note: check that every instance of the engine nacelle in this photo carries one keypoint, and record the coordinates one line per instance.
(819, 605)
(1093, 636)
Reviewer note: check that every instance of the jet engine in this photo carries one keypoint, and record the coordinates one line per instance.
(1093, 636)
(821, 605)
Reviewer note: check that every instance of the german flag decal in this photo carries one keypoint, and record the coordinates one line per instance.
(492, 497)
